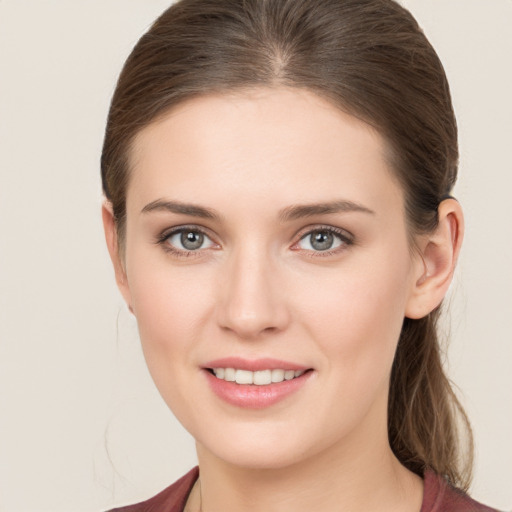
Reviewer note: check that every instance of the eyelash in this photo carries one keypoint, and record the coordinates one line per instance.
(346, 239)
(343, 236)
(181, 253)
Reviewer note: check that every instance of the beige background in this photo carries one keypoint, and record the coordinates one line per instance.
(81, 426)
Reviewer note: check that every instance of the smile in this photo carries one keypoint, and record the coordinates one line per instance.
(257, 378)
(256, 384)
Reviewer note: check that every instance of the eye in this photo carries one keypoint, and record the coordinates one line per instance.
(323, 239)
(188, 240)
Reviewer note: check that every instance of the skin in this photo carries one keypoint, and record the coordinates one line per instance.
(258, 288)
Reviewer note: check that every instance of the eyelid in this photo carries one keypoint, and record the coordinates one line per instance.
(346, 237)
(162, 238)
(343, 233)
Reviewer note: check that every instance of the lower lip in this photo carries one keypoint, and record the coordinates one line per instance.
(252, 396)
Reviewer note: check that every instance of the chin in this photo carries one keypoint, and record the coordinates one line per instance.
(259, 459)
(260, 448)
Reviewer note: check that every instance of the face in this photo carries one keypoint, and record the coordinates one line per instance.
(266, 240)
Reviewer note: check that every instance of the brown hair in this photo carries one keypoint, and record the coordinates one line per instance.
(370, 59)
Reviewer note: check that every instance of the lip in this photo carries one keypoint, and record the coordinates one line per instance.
(266, 363)
(248, 396)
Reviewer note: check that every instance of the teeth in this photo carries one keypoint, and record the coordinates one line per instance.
(258, 378)
(243, 377)
(229, 374)
(289, 375)
(262, 377)
(277, 375)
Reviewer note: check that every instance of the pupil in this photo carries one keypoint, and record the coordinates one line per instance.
(322, 240)
(191, 240)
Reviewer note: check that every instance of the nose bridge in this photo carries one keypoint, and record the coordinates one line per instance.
(252, 301)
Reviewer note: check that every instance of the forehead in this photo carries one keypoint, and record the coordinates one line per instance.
(286, 144)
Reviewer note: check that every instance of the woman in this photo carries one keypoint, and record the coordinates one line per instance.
(277, 177)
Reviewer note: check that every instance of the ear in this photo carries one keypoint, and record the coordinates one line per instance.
(437, 256)
(112, 239)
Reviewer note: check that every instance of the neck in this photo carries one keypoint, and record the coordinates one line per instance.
(334, 480)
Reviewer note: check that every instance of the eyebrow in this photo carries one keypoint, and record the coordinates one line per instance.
(180, 208)
(310, 210)
(289, 213)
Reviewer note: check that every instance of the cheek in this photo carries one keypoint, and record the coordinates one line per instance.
(170, 305)
(355, 319)
(356, 314)
(170, 308)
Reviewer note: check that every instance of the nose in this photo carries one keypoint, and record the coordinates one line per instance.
(253, 300)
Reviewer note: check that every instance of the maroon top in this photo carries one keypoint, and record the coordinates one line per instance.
(438, 496)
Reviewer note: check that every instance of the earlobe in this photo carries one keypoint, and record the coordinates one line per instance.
(112, 240)
(438, 254)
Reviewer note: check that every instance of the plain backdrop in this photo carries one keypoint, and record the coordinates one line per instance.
(81, 424)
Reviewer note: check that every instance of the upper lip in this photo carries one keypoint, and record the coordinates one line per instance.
(254, 365)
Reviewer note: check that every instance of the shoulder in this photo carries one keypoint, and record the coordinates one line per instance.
(171, 499)
(440, 496)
